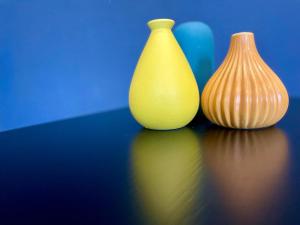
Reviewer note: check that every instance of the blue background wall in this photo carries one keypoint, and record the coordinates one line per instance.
(66, 58)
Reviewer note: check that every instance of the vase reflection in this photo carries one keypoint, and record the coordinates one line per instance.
(166, 170)
(249, 170)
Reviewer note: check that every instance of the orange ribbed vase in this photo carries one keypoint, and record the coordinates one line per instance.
(244, 93)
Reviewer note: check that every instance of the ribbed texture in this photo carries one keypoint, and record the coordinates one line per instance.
(244, 92)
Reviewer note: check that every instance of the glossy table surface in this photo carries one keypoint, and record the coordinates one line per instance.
(106, 169)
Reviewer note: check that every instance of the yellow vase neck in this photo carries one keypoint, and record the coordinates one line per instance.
(161, 24)
(243, 41)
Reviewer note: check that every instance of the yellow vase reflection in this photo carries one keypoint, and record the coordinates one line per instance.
(249, 169)
(166, 168)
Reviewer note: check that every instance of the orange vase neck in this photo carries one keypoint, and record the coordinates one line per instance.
(243, 41)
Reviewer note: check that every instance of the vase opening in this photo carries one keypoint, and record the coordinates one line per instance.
(161, 24)
(243, 34)
(243, 37)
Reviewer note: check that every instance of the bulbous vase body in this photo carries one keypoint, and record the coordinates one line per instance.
(244, 92)
(197, 42)
(163, 93)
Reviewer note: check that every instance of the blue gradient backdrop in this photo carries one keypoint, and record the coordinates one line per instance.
(67, 58)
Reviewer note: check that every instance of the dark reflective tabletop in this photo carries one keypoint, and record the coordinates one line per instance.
(106, 169)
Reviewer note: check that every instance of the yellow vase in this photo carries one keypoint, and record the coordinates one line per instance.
(163, 93)
(244, 92)
(167, 172)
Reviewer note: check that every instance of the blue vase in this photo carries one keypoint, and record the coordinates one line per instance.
(197, 42)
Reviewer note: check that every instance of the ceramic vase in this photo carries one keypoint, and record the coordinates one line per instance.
(163, 93)
(197, 42)
(244, 92)
(166, 171)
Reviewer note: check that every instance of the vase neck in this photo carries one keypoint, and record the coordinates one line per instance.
(243, 41)
(161, 24)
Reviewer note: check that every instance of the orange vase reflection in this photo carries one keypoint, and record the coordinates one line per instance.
(249, 170)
